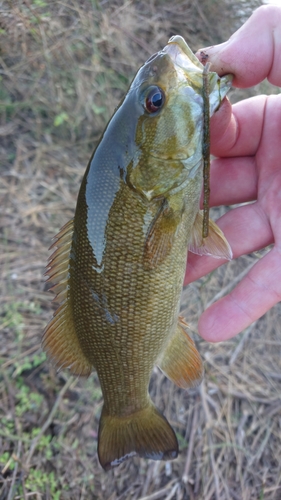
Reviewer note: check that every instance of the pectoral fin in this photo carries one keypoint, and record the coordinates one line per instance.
(181, 362)
(215, 244)
(161, 235)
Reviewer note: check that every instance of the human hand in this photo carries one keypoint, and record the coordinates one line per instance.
(246, 139)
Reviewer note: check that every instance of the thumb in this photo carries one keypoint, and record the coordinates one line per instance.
(253, 52)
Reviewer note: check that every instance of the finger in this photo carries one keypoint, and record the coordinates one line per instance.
(269, 150)
(232, 181)
(258, 291)
(242, 127)
(223, 123)
(253, 52)
(246, 228)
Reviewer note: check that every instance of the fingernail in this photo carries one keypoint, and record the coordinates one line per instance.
(209, 52)
(203, 54)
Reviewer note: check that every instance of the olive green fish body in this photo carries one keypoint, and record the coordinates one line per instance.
(119, 265)
(128, 309)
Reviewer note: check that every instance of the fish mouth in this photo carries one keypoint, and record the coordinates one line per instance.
(182, 55)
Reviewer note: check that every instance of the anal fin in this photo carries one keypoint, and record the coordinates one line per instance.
(181, 362)
(60, 339)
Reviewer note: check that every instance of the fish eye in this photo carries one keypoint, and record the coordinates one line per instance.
(154, 99)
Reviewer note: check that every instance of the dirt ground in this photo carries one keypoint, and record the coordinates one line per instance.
(63, 68)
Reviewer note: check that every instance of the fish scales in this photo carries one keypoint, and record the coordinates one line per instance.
(140, 322)
(119, 264)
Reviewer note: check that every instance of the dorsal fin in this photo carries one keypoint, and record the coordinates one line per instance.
(60, 340)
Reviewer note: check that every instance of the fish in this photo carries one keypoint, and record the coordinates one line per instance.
(117, 267)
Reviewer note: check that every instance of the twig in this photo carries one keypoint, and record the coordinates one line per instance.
(240, 436)
(210, 439)
(49, 419)
(272, 375)
(272, 488)
(185, 476)
(147, 481)
(247, 396)
(30, 494)
(240, 344)
(262, 446)
(172, 492)
(198, 468)
(158, 495)
(11, 492)
(22, 355)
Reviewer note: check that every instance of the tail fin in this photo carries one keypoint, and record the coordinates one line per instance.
(146, 433)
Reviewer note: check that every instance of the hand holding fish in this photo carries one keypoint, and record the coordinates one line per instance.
(245, 139)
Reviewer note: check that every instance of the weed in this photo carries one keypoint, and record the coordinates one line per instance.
(13, 318)
(60, 119)
(43, 482)
(7, 458)
(26, 400)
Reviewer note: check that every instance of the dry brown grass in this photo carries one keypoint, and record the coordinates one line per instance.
(64, 66)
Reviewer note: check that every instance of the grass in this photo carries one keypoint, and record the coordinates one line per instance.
(64, 67)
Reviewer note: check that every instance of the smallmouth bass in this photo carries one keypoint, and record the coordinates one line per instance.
(119, 264)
